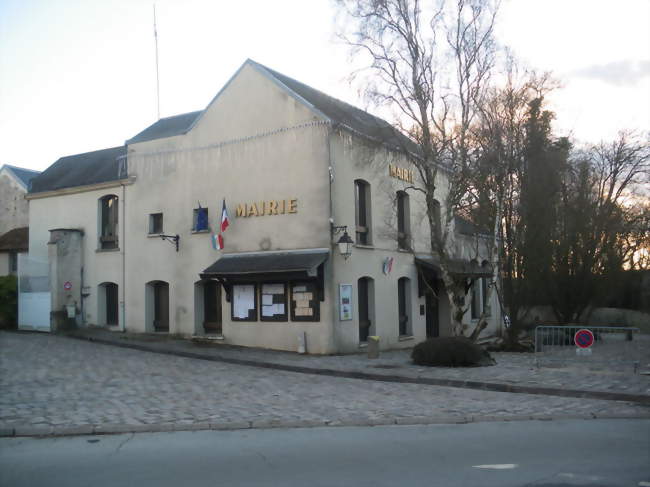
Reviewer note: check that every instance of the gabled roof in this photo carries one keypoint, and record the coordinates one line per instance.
(23, 175)
(336, 111)
(15, 239)
(344, 114)
(167, 127)
(82, 169)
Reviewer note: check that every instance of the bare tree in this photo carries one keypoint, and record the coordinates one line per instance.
(600, 224)
(497, 170)
(431, 65)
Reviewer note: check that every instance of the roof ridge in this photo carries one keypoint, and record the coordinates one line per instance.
(93, 151)
(180, 115)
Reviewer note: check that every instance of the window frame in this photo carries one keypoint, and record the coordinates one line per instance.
(108, 220)
(195, 219)
(279, 317)
(314, 303)
(362, 212)
(475, 304)
(152, 223)
(249, 319)
(487, 309)
(403, 220)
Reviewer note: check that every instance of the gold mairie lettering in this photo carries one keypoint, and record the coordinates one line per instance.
(241, 210)
(293, 206)
(261, 207)
(252, 210)
(272, 208)
(282, 207)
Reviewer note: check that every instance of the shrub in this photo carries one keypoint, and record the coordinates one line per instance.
(8, 301)
(450, 352)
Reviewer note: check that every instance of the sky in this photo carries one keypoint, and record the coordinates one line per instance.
(77, 76)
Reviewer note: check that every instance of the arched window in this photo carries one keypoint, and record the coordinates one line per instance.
(108, 219)
(403, 221)
(362, 212)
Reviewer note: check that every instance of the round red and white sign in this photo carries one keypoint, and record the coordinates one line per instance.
(67, 286)
(583, 338)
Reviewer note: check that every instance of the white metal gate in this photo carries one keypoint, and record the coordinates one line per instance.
(33, 293)
(614, 348)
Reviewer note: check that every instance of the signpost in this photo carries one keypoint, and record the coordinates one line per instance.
(67, 286)
(583, 339)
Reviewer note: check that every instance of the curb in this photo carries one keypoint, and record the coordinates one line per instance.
(114, 429)
(461, 384)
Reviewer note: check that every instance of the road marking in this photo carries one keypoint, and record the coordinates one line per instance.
(498, 466)
(580, 476)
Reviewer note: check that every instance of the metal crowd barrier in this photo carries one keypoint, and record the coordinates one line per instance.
(613, 348)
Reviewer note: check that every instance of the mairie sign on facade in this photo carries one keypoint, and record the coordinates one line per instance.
(270, 207)
(401, 173)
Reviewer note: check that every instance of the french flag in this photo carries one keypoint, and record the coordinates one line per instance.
(217, 241)
(224, 217)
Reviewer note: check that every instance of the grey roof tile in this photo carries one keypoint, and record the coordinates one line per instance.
(167, 127)
(82, 169)
(264, 262)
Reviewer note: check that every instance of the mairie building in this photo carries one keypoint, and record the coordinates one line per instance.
(131, 234)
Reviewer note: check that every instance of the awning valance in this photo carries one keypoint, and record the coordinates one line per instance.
(247, 265)
(456, 267)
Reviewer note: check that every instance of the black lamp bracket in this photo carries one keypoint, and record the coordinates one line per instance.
(173, 239)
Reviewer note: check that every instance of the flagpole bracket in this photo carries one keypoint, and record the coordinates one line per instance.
(173, 239)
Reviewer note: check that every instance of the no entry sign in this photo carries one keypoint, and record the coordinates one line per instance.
(583, 338)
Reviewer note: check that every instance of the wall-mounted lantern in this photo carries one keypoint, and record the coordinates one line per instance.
(174, 239)
(344, 243)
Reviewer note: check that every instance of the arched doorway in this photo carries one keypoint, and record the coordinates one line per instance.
(157, 306)
(108, 304)
(366, 305)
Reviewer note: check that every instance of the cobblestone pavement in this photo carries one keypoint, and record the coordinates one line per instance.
(570, 372)
(48, 380)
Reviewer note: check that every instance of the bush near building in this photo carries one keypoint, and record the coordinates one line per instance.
(8, 301)
(450, 352)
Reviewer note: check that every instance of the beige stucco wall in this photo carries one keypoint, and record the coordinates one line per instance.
(251, 145)
(80, 211)
(13, 206)
(353, 159)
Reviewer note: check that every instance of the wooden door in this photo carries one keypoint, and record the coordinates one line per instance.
(212, 307)
(161, 306)
(364, 311)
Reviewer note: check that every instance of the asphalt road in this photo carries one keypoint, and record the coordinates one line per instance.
(592, 453)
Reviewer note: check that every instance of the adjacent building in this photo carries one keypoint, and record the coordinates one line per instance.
(132, 233)
(14, 216)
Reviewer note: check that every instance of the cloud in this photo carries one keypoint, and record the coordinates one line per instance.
(618, 73)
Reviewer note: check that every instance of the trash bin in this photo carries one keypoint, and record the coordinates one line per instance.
(373, 347)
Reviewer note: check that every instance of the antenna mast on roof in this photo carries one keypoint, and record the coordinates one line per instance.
(155, 36)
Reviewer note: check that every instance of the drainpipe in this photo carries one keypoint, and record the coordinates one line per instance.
(332, 284)
(123, 307)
